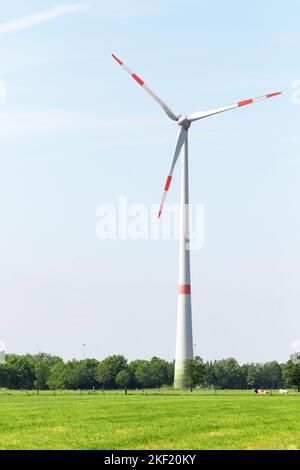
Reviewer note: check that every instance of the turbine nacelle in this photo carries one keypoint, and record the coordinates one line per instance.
(184, 122)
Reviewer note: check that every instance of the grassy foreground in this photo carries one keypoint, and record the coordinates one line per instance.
(156, 420)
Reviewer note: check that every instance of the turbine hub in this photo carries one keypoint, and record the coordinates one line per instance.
(184, 122)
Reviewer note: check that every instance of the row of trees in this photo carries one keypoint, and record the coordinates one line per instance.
(44, 372)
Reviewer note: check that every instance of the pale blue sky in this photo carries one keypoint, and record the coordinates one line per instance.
(77, 132)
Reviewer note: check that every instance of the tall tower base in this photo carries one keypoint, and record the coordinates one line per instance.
(184, 338)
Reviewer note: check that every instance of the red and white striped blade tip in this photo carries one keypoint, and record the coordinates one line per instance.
(133, 75)
(253, 100)
(117, 59)
(270, 95)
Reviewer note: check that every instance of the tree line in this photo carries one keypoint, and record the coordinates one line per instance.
(46, 372)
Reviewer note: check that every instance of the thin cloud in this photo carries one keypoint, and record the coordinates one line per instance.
(41, 17)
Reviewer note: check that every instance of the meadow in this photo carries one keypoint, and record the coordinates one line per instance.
(149, 420)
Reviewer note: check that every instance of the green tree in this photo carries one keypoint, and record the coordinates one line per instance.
(59, 377)
(271, 375)
(20, 373)
(41, 371)
(83, 374)
(292, 374)
(254, 376)
(243, 385)
(162, 372)
(144, 374)
(90, 367)
(133, 366)
(108, 370)
(104, 374)
(194, 372)
(151, 374)
(41, 363)
(4, 381)
(123, 379)
(210, 379)
(228, 373)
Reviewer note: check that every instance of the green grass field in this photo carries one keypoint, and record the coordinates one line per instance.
(156, 420)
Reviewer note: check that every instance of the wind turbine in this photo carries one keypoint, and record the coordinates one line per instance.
(184, 338)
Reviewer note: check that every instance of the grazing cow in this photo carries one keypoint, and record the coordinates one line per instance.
(261, 392)
(283, 392)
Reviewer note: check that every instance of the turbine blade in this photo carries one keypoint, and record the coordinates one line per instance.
(211, 112)
(180, 141)
(168, 110)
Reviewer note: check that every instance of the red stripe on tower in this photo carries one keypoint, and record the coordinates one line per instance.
(244, 103)
(118, 60)
(168, 182)
(137, 79)
(184, 289)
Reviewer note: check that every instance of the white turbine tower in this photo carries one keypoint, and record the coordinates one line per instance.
(184, 340)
